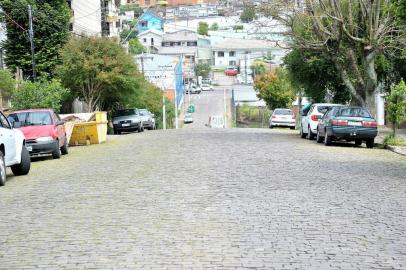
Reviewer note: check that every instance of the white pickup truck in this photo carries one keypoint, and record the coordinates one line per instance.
(13, 152)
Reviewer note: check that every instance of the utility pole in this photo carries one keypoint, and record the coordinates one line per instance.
(163, 113)
(31, 34)
(246, 64)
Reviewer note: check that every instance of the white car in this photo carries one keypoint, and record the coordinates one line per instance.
(188, 118)
(282, 118)
(206, 87)
(308, 125)
(13, 152)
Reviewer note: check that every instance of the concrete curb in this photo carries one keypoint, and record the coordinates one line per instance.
(396, 149)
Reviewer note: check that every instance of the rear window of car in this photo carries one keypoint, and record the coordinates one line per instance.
(31, 118)
(323, 109)
(127, 112)
(283, 112)
(354, 112)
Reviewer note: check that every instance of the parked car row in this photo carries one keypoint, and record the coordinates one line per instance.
(29, 133)
(129, 120)
(335, 122)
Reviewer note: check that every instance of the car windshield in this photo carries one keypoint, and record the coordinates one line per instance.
(354, 112)
(283, 112)
(126, 112)
(31, 118)
(205, 85)
(143, 112)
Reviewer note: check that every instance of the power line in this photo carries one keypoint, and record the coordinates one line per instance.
(13, 21)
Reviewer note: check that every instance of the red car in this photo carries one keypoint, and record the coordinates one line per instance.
(231, 71)
(44, 131)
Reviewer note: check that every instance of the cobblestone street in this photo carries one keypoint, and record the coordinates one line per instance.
(208, 199)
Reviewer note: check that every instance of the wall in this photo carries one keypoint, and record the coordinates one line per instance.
(152, 23)
(86, 17)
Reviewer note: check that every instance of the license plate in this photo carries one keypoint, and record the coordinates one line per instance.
(125, 125)
(351, 123)
(29, 148)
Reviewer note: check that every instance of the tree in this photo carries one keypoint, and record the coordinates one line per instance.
(135, 46)
(316, 74)
(203, 70)
(99, 71)
(397, 105)
(7, 85)
(39, 94)
(259, 67)
(203, 29)
(352, 34)
(214, 27)
(51, 32)
(248, 14)
(275, 89)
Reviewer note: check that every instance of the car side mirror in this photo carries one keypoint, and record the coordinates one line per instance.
(60, 123)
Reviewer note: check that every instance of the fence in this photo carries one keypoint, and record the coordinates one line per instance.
(252, 117)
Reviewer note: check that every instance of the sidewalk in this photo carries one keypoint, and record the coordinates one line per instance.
(384, 131)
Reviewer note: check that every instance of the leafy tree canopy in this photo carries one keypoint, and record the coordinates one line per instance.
(214, 27)
(7, 83)
(397, 105)
(135, 46)
(203, 70)
(39, 94)
(99, 71)
(248, 14)
(275, 89)
(51, 32)
(316, 75)
(203, 29)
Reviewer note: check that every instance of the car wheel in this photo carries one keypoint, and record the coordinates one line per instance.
(302, 134)
(56, 153)
(310, 134)
(270, 126)
(370, 143)
(327, 139)
(3, 176)
(358, 142)
(24, 167)
(319, 139)
(65, 147)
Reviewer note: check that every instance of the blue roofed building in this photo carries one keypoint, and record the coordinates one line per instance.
(150, 20)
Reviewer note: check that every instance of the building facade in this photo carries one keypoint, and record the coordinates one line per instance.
(150, 20)
(95, 18)
(165, 72)
(151, 40)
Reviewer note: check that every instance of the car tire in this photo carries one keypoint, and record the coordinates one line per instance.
(56, 153)
(3, 176)
(270, 126)
(370, 143)
(358, 142)
(302, 134)
(24, 167)
(310, 134)
(65, 147)
(319, 139)
(327, 139)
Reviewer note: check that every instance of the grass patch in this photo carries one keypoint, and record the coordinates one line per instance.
(395, 141)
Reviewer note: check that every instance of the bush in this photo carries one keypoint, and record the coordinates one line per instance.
(40, 94)
(391, 140)
(397, 105)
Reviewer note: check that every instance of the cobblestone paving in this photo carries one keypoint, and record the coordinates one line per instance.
(208, 199)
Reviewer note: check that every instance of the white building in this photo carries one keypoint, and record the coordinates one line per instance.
(232, 52)
(92, 18)
(151, 40)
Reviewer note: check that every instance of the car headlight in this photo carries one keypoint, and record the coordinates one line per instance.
(44, 139)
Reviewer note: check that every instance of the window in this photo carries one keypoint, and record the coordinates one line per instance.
(220, 54)
(192, 44)
(232, 63)
(118, 24)
(144, 24)
(152, 41)
(144, 40)
(3, 121)
(231, 54)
